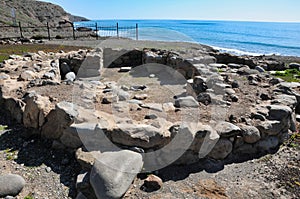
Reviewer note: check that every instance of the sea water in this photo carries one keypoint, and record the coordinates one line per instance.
(236, 37)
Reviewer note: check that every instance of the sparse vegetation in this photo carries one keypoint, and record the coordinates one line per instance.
(289, 75)
(2, 128)
(10, 154)
(29, 196)
(7, 50)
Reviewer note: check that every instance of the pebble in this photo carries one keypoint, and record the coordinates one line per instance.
(48, 169)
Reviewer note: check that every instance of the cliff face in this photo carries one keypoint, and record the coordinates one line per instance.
(31, 12)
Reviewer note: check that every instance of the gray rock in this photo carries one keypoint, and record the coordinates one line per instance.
(113, 173)
(81, 196)
(71, 76)
(277, 112)
(235, 84)
(139, 135)
(270, 127)
(36, 109)
(199, 84)
(122, 95)
(260, 69)
(28, 75)
(186, 102)
(11, 185)
(4, 76)
(221, 150)
(294, 66)
(141, 96)
(250, 134)
(204, 98)
(84, 187)
(268, 144)
(59, 119)
(49, 75)
(232, 65)
(286, 100)
(226, 129)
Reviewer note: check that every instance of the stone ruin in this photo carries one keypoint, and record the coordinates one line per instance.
(141, 110)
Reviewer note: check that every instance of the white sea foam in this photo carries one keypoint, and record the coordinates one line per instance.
(240, 52)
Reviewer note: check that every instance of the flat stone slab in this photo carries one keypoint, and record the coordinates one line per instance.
(113, 173)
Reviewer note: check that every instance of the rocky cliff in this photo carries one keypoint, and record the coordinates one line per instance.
(31, 12)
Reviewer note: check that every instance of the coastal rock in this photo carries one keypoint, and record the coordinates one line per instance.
(221, 150)
(294, 66)
(140, 135)
(250, 134)
(186, 102)
(226, 129)
(59, 119)
(113, 173)
(271, 127)
(267, 144)
(204, 98)
(28, 75)
(11, 185)
(36, 110)
(260, 69)
(277, 112)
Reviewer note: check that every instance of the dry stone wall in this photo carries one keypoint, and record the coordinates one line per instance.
(263, 127)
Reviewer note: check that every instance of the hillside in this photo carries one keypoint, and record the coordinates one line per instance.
(31, 12)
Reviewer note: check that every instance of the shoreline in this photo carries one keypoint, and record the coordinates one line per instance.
(122, 43)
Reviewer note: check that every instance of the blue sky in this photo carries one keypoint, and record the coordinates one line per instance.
(239, 10)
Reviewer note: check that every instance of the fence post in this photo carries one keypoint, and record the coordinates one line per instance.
(48, 29)
(96, 31)
(118, 30)
(73, 28)
(21, 29)
(137, 32)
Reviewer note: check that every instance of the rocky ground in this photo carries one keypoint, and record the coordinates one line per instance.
(52, 174)
(259, 110)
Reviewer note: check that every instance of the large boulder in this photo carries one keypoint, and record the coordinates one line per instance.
(221, 150)
(226, 129)
(140, 135)
(11, 185)
(36, 109)
(59, 119)
(113, 173)
(250, 134)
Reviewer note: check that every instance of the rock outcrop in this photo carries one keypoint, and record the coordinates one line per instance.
(35, 12)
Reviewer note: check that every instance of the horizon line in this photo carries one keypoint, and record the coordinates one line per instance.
(164, 19)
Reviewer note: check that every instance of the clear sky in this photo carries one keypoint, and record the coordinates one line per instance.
(239, 10)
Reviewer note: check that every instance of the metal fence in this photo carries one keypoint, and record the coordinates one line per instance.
(68, 30)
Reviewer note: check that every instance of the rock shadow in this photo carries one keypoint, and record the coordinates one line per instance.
(34, 152)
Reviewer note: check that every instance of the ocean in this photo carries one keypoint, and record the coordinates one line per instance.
(251, 38)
